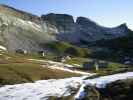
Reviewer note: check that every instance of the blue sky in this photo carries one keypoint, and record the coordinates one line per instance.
(106, 12)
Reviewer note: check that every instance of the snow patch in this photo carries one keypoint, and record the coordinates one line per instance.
(40, 89)
(61, 66)
(68, 70)
(3, 48)
(101, 82)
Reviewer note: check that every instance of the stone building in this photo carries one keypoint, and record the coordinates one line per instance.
(95, 64)
(21, 51)
(88, 65)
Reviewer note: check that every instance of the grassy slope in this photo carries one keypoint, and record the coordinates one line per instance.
(62, 48)
(18, 69)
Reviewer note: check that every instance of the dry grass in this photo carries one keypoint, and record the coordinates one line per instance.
(18, 69)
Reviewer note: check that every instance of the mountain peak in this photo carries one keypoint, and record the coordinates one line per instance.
(63, 22)
(85, 21)
(123, 25)
(59, 17)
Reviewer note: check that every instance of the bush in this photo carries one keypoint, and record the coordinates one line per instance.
(72, 51)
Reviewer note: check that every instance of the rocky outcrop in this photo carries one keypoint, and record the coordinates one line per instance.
(63, 22)
(119, 90)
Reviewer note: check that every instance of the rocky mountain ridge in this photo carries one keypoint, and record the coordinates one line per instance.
(22, 30)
